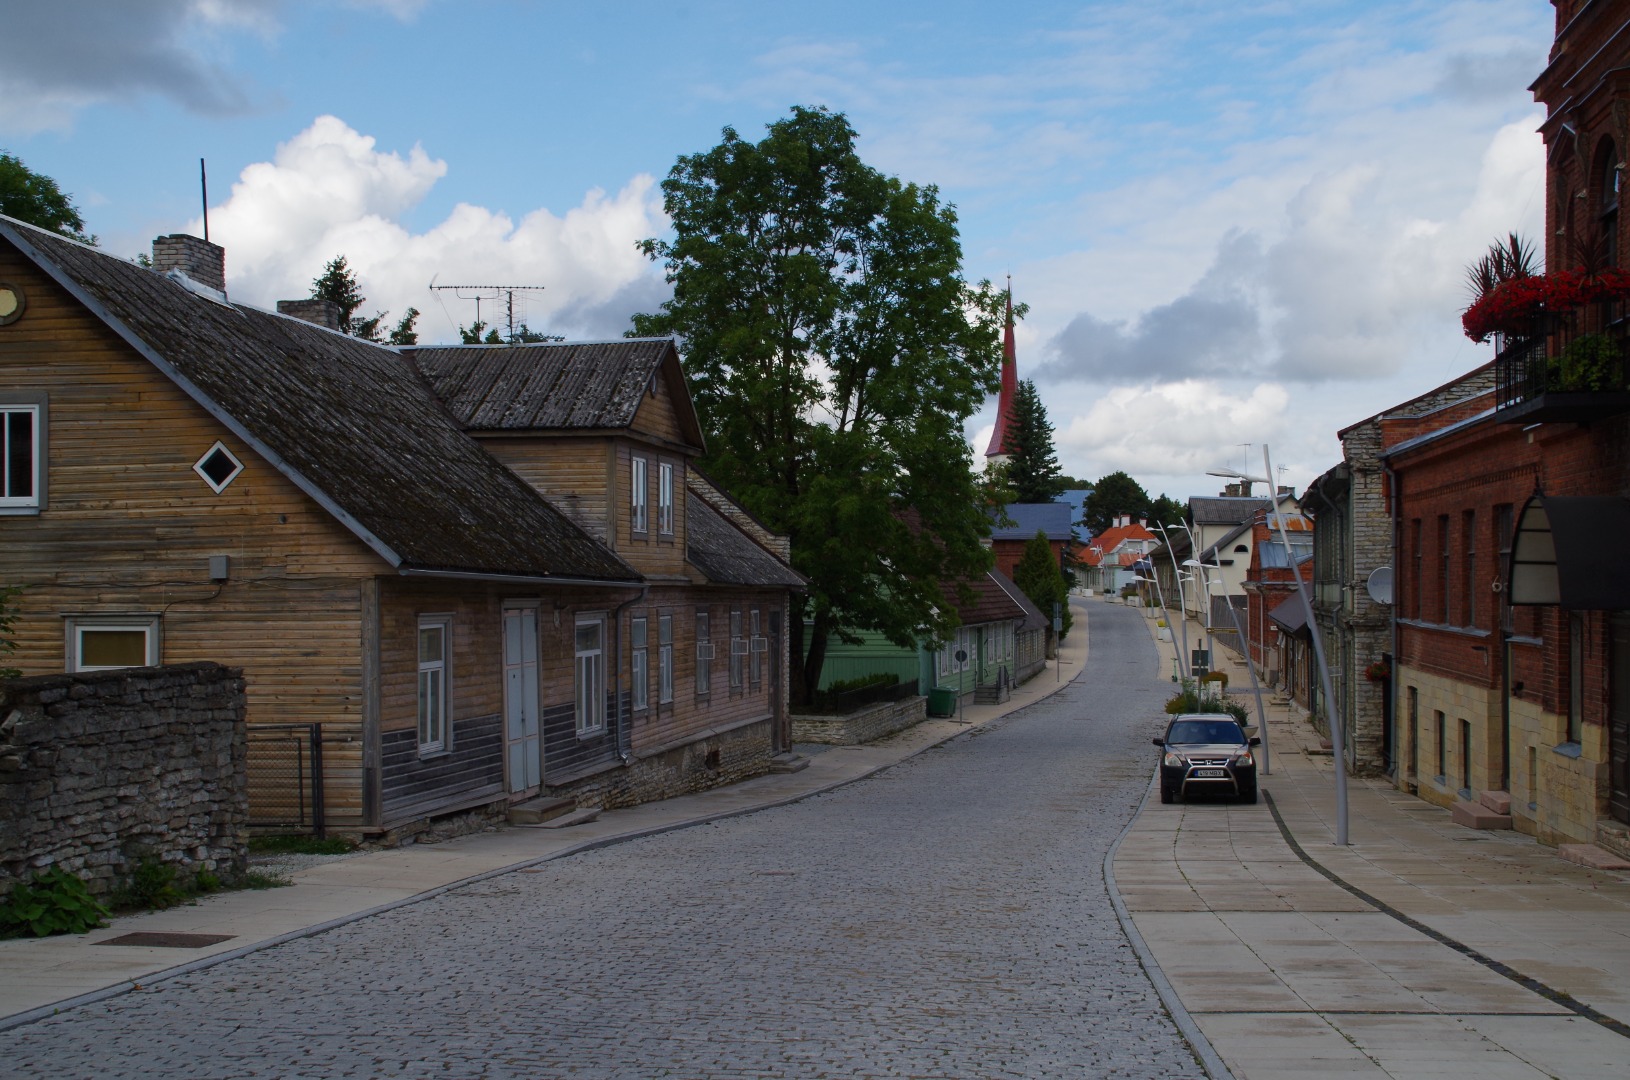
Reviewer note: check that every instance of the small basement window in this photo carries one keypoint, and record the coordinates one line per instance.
(218, 468)
(99, 644)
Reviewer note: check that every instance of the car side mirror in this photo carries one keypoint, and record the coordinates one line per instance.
(1255, 741)
(1159, 741)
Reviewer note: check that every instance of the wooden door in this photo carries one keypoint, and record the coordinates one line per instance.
(523, 749)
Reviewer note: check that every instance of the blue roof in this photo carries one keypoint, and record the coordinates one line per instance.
(1076, 499)
(1054, 519)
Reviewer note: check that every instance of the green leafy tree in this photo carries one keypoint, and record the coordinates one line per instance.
(1033, 469)
(32, 197)
(1167, 511)
(834, 351)
(1116, 493)
(404, 333)
(472, 334)
(1038, 576)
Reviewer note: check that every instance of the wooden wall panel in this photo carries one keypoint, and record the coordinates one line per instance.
(571, 472)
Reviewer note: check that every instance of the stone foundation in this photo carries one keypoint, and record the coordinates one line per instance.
(727, 757)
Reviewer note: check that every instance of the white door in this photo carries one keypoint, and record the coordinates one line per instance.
(523, 750)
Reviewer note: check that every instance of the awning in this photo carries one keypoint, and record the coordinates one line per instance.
(1290, 616)
(1569, 551)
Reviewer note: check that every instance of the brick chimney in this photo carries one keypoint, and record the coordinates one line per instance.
(200, 260)
(321, 312)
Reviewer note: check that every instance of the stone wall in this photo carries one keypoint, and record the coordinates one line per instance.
(720, 757)
(884, 718)
(100, 770)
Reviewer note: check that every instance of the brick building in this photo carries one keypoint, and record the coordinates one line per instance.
(1513, 638)
(1353, 538)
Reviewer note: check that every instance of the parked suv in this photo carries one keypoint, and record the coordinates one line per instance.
(1207, 752)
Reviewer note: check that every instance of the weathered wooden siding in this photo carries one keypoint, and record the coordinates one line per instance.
(656, 416)
(653, 553)
(574, 473)
(690, 715)
(128, 529)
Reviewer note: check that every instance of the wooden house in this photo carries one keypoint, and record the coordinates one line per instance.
(486, 573)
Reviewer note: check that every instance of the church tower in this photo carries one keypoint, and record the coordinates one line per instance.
(1000, 450)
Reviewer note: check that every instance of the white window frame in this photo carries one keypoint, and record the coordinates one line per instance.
(639, 495)
(589, 674)
(218, 448)
(434, 685)
(757, 646)
(34, 501)
(641, 663)
(665, 659)
(704, 655)
(738, 650)
(78, 625)
(665, 498)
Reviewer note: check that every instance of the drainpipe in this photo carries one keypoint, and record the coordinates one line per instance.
(1395, 498)
(625, 740)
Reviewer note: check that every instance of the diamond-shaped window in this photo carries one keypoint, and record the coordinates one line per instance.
(218, 468)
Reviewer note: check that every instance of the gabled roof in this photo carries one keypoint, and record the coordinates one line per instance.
(566, 387)
(1053, 519)
(348, 422)
(1114, 537)
(1224, 509)
(1034, 618)
(994, 599)
(727, 555)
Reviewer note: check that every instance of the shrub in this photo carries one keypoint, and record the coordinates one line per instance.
(1199, 698)
(1216, 677)
(152, 887)
(54, 902)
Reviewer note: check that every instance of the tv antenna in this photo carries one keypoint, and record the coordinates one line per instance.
(514, 306)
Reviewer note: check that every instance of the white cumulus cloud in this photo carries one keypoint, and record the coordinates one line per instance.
(331, 191)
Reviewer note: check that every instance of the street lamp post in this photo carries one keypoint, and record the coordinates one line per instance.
(1182, 602)
(1245, 644)
(1337, 733)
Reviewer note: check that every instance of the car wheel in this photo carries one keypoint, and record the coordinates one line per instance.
(1248, 795)
(1166, 794)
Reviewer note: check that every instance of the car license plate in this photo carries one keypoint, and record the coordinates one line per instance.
(1210, 772)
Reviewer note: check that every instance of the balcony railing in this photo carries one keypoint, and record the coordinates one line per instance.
(1562, 376)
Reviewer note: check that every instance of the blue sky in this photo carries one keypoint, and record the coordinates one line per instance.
(1234, 222)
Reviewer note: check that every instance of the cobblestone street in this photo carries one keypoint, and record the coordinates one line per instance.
(946, 918)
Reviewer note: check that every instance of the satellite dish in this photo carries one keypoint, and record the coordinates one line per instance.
(1380, 585)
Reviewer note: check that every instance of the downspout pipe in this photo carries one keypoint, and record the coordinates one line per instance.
(1394, 510)
(625, 737)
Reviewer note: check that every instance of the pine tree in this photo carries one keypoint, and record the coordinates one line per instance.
(1039, 578)
(1033, 471)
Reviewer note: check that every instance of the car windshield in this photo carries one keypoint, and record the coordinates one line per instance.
(1205, 731)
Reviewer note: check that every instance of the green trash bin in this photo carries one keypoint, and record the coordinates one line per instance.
(942, 701)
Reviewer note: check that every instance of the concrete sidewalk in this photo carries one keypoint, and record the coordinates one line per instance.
(39, 976)
(1422, 949)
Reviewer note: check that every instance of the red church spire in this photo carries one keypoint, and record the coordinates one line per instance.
(999, 446)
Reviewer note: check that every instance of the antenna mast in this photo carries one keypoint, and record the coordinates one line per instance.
(514, 312)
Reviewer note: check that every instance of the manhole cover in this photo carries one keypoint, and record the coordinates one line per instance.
(158, 940)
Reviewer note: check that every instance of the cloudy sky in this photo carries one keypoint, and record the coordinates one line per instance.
(1235, 223)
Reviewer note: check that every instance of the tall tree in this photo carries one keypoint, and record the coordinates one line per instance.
(35, 198)
(1039, 577)
(1116, 493)
(834, 350)
(1167, 511)
(1033, 470)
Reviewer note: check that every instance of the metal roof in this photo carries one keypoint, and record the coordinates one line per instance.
(1053, 519)
(555, 386)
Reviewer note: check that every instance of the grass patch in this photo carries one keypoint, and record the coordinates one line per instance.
(298, 844)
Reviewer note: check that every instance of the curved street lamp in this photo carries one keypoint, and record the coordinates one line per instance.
(1337, 732)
